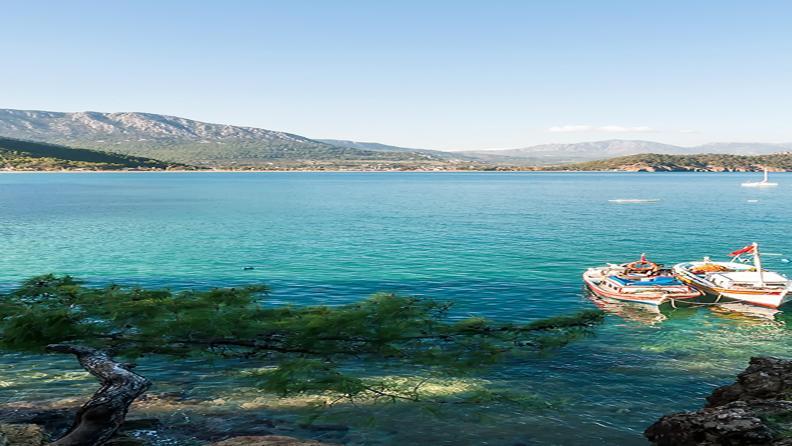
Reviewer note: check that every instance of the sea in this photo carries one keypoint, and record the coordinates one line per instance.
(509, 246)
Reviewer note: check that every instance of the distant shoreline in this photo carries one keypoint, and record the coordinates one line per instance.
(367, 171)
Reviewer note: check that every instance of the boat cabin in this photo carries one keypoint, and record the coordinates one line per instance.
(748, 279)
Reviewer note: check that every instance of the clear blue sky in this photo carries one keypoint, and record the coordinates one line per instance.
(435, 74)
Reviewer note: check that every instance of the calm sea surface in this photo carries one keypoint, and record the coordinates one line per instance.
(509, 246)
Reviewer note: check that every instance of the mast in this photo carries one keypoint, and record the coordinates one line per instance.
(765, 175)
(758, 261)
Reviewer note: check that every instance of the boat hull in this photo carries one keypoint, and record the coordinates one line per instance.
(759, 184)
(646, 298)
(763, 298)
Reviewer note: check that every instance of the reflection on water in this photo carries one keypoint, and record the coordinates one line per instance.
(652, 314)
(745, 312)
(642, 313)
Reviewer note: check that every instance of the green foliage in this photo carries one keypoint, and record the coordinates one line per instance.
(241, 152)
(702, 162)
(306, 349)
(294, 376)
(18, 154)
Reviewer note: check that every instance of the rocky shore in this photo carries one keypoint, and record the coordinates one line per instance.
(755, 410)
(37, 425)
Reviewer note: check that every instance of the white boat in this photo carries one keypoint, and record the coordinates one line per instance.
(634, 200)
(735, 281)
(641, 282)
(764, 183)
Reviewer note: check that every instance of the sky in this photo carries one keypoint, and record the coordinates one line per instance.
(437, 74)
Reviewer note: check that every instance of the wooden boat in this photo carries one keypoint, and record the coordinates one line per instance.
(641, 282)
(735, 281)
(764, 183)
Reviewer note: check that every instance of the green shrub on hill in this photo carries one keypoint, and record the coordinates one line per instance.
(703, 162)
(16, 154)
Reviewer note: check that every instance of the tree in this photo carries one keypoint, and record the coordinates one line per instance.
(308, 346)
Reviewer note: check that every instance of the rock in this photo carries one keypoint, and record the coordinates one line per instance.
(755, 410)
(53, 420)
(212, 429)
(765, 378)
(269, 440)
(21, 435)
(736, 423)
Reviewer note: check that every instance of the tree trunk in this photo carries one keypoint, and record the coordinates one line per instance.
(100, 417)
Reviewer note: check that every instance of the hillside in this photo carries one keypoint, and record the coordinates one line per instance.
(654, 162)
(598, 150)
(17, 154)
(377, 147)
(180, 140)
(187, 141)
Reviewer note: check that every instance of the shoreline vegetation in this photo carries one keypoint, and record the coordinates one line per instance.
(415, 170)
(25, 156)
(18, 155)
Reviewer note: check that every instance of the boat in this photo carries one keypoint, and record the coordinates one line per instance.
(634, 200)
(737, 281)
(641, 282)
(764, 183)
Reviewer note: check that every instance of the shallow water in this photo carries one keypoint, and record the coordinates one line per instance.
(508, 246)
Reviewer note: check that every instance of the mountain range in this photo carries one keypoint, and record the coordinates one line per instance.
(377, 147)
(180, 140)
(174, 139)
(597, 150)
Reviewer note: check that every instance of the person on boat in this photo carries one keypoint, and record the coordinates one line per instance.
(642, 267)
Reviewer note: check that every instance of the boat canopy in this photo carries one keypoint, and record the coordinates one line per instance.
(652, 281)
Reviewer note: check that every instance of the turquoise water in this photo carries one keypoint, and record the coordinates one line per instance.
(508, 246)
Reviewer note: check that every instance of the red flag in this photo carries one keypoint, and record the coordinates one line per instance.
(745, 250)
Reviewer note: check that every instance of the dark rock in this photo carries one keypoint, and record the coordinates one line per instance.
(755, 410)
(765, 378)
(54, 421)
(216, 428)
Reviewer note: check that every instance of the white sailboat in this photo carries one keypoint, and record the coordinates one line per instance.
(763, 183)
